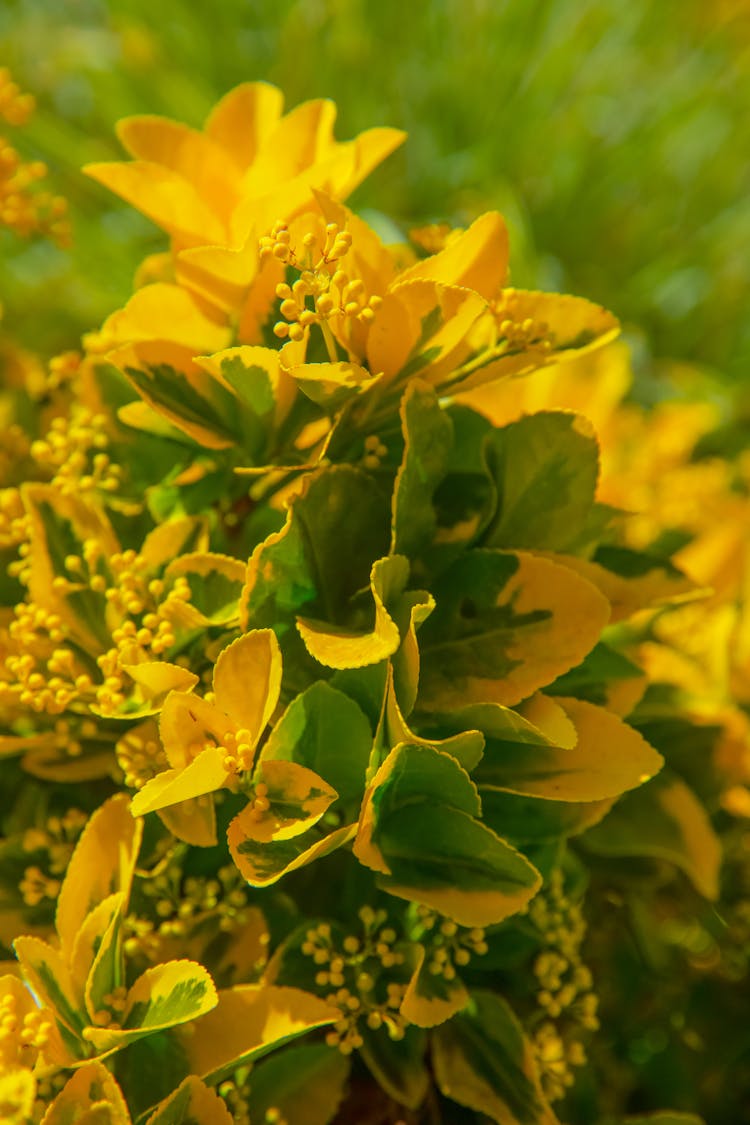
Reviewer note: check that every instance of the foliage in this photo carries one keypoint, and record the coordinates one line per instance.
(342, 701)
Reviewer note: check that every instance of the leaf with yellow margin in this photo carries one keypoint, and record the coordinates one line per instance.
(89, 940)
(419, 828)
(332, 385)
(323, 556)
(192, 1103)
(631, 580)
(59, 525)
(609, 757)
(297, 799)
(90, 1097)
(311, 732)
(340, 648)
(167, 377)
(483, 1060)
(162, 997)
(247, 1022)
(505, 624)
(663, 820)
(48, 975)
(562, 328)
(215, 582)
(264, 863)
(102, 864)
(431, 999)
(262, 388)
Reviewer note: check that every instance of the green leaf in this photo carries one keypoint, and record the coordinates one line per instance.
(663, 820)
(305, 1083)
(531, 820)
(263, 863)
(418, 828)
(545, 467)
(192, 1103)
(482, 1060)
(505, 624)
(398, 1066)
(428, 437)
(325, 731)
(605, 676)
(336, 528)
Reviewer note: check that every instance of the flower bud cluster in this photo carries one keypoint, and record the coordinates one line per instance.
(565, 996)
(353, 972)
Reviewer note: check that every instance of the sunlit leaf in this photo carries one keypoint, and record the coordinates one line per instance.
(247, 1022)
(476, 258)
(90, 1097)
(169, 994)
(192, 1103)
(313, 730)
(505, 624)
(102, 864)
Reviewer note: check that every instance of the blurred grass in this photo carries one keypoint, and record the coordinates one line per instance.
(613, 136)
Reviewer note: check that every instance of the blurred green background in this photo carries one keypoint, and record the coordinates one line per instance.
(614, 137)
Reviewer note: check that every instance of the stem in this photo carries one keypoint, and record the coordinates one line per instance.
(333, 354)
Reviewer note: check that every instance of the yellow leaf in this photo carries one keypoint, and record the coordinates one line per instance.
(247, 1021)
(192, 1103)
(330, 385)
(49, 977)
(476, 259)
(204, 774)
(155, 679)
(247, 680)
(244, 118)
(161, 311)
(164, 196)
(90, 1097)
(193, 821)
(102, 864)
